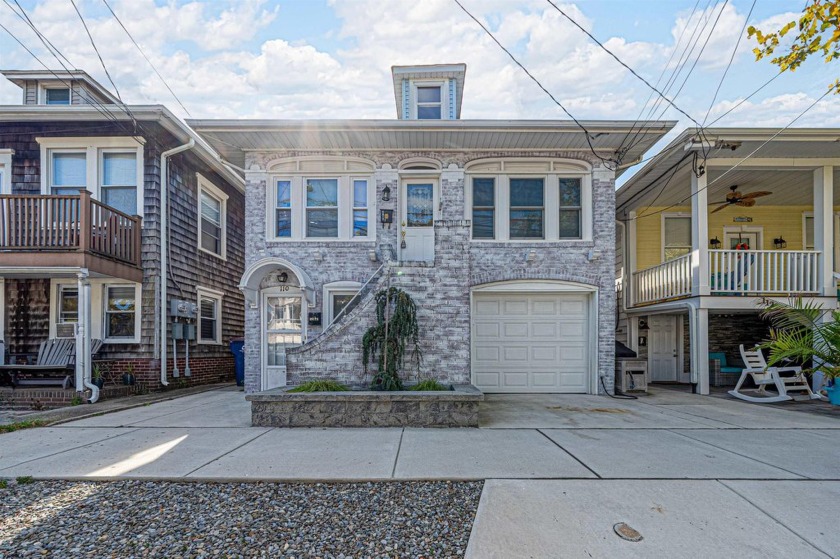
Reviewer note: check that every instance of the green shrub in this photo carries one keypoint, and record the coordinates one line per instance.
(320, 386)
(24, 480)
(27, 424)
(428, 385)
(3, 484)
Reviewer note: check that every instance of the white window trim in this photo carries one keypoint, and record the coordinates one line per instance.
(662, 219)
(551, 205)
(298, 207)
(93, 147)
(336, 288)
(470, 207)
(42, 93)
(218, 296)
(215, 192)
(444, 96)
(97, 305)
(6, 170)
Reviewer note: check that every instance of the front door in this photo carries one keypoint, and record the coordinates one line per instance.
(417, 231)
(283, 329)
(750, 238)
(662, 348)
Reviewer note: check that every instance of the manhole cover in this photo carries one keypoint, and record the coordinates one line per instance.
(626, 532)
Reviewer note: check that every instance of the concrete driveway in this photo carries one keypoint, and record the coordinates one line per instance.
(561, 470)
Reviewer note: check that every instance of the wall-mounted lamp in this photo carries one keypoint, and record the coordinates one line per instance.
(386, 193)
(532, 256)
(372, 255)
(714, 243)
(318, 256)
(780, 242)
(282, 277)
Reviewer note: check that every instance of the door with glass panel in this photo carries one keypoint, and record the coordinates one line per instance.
(283, 329)
(417, 231)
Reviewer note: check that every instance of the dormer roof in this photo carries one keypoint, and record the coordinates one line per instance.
(82, 80)
(405, 75)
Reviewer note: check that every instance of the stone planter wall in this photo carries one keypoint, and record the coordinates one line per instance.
(451, 408)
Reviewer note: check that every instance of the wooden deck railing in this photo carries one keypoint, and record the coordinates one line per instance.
(51, 223)
(668, 280)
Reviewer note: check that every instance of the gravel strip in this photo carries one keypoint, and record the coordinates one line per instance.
(134, 519)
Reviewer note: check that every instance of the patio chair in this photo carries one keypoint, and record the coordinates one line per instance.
(53, 366)
(721, 373)
(785, 379)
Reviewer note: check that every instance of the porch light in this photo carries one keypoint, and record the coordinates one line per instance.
(282, 277)
(780, 242)
(714, 243)
(386, 193)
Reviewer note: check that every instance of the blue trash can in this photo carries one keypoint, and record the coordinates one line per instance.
(237, 348)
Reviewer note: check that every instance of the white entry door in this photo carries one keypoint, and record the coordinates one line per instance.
(531, 342)
(283, 329)
(417, 231)
(662, 348)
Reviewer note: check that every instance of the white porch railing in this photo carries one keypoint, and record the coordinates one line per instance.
(742, 272)
(668, 280)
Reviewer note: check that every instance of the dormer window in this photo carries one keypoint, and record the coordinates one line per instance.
(57, 96)
(429, 102)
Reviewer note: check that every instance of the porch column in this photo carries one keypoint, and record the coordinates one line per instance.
(699, 237)
(699, 332)
(630, 260)
(824, 227)
(83, 332)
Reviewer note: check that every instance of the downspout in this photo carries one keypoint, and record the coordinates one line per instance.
(164, 242)
(83, 342)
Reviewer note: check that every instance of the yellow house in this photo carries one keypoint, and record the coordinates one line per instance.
(708, 227)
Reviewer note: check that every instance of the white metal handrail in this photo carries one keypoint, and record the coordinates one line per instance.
(764, 271)
(668, 280)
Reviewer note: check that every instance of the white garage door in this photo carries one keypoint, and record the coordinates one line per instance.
(530, 343)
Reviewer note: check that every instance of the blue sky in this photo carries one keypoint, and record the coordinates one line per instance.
(332, 59)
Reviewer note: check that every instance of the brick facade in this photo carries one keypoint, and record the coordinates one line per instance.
(441, 290)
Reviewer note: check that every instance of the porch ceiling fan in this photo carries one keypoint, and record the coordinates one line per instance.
(735, 198)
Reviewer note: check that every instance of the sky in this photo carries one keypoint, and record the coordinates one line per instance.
(297, 59)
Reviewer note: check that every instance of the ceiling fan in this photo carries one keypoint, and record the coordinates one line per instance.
(735, 198)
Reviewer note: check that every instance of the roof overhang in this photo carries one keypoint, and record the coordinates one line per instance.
(18, 77)
(234, 138)
(142, 113)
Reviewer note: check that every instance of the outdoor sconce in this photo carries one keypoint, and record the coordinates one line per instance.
(714, 243)
(282, 277)
(372, 255)
(532, 256)
(780, 242)
(386, 193)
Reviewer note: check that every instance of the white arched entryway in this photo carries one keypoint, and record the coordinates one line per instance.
(280, 293)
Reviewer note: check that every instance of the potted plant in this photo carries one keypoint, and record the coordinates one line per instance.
(128, 376)
(97, 377)
(805, 333)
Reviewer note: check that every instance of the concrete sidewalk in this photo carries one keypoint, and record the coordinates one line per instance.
(564, 469)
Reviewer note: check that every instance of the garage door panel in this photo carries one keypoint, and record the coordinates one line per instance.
(531, 343)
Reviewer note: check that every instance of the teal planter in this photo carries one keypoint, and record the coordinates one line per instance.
(834, 394)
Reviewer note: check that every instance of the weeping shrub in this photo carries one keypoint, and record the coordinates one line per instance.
(392, 339)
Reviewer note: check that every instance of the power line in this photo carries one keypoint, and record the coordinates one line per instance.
(614, 162)
(144, 56)
(96, 50)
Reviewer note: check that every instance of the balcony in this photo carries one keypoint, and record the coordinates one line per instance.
(745, 273)
(47, 231)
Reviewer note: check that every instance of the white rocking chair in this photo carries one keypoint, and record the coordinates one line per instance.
(785, 379)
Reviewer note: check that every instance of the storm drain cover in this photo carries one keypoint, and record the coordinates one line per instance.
(627, 532)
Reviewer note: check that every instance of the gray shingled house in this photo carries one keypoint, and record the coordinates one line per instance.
(80, 238)
(502, 231)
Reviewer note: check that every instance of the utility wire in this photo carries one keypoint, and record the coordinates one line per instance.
(31, 24)
(110, 9)
(612, 163)
(729, 64)
(96, 50)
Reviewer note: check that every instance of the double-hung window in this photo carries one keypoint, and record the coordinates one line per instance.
(212, 223)
(209, 317)
(483, 208)
(570, 208)
(322, 208)
(283, 210)
(68, 174)
(360, 211)
(429, 102)
(527, 208)
(120, 312)
(118, 186)
(68, 304)
(676, 235)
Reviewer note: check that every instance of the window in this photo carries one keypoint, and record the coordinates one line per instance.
(209, 317)
(69, 173)
(570, 209)
(676, 235)
(322, 208)
(57, 96)
(6, 170)
(212, 224)
(360, 212)
(429, 102)
(283, 209)
(119, 181)
(809, 232)
(68, 304)
(527, 208)
(120, 312)
(337, 295)
(483, 208)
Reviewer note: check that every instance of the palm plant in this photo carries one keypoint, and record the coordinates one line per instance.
(802, 331)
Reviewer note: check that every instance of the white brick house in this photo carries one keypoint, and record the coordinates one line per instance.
(502, 231)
